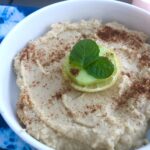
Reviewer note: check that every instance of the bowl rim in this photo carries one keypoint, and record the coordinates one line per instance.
(24, 135)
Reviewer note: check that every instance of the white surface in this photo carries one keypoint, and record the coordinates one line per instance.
(38, 23)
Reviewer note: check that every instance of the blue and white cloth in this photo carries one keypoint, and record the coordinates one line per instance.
(9, 17)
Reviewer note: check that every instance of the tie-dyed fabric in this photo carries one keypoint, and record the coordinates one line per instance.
(9, 17)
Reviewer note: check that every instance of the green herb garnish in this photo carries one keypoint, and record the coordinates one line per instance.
(85, 55)
(101, 68)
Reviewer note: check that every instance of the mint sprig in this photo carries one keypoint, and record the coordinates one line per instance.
(85, 55)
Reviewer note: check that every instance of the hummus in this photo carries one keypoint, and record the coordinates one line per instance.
(66, 119)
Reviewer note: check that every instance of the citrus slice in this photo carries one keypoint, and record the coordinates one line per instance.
(86, 83)
(82, 81)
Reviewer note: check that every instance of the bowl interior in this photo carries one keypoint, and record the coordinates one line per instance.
(37, 24)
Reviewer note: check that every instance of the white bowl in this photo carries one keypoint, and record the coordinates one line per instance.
(38, 23)
(145, 4)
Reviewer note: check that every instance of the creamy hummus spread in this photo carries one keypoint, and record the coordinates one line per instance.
(66, 119)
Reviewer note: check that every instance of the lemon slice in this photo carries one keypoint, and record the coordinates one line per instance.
(87, 83)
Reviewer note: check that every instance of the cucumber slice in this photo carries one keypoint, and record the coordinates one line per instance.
(82, 78)
(103, 50)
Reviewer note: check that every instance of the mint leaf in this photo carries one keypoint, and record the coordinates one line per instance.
(84, 53)
(102, 68)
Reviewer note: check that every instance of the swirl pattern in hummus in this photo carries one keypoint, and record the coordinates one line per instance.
(66, 119)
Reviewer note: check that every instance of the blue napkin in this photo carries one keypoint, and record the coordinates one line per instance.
(9, 17)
